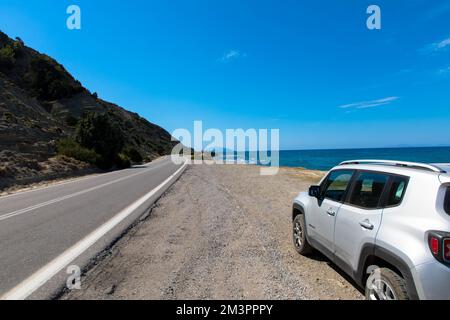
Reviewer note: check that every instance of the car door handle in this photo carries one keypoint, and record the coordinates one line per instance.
(366, 224)
(331, 212)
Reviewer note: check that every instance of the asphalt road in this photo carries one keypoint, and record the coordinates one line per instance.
(38, 226)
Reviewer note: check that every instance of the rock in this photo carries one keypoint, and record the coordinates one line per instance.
(110, 290)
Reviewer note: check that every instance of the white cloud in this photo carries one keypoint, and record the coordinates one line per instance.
(369, 104)
(442, 44)
(232, 55)
(444, 71)
(436, 47)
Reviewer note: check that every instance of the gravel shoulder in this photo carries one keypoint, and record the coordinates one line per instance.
(220, 232)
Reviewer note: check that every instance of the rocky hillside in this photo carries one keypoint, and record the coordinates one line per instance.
(41, 103)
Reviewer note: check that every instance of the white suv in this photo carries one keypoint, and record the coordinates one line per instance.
(385, 223)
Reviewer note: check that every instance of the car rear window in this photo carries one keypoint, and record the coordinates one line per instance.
(368, 189)
(447, 201)
(397, 191)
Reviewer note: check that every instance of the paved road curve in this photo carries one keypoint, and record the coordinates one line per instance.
(36, 227)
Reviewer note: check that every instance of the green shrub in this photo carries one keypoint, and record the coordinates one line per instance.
(18, 47)
(71, 121)
(70, 148)
(102, 134)
(7, 57)
(19, 42)
(132, 154)
(9, 117)
(160, 150)
(123, 161)
(48, 80)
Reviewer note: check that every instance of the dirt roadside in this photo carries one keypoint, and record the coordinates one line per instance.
(220, 232)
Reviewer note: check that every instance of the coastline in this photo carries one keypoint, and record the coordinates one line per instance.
(325, 159)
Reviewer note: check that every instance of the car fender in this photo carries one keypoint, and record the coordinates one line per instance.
(302, 203)
(391, 258)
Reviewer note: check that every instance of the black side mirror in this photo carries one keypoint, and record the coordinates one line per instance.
(314, 191)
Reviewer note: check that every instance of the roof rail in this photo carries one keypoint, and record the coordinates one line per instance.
(413, 165)
(444, 166)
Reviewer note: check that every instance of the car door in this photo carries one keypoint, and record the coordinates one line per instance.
(333, 190)
(359, 218)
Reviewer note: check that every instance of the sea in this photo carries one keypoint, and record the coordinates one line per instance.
(326, 159)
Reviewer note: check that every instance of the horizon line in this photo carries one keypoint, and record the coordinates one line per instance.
(347, 148)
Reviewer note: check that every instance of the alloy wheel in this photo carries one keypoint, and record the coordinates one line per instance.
(381, 290)
(298, 234)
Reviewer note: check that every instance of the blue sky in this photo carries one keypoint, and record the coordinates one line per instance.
(310, 68)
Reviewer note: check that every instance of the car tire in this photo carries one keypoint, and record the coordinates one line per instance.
(301, 243)
(385, 284)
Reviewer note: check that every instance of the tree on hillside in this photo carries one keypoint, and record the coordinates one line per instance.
(99, 132)
(133, 154)
(20, 42)
(7, 57)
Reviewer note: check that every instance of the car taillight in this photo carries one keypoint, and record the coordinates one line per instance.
(439, 243)
(447, 249)
(433, 242)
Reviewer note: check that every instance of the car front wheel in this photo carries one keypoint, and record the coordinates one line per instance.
(299, 235)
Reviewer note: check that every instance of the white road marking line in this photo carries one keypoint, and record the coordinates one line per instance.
(47, 203)
(40, 277)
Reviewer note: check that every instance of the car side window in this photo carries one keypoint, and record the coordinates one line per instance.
(336, 184)
(367, 190)
(397, 191)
